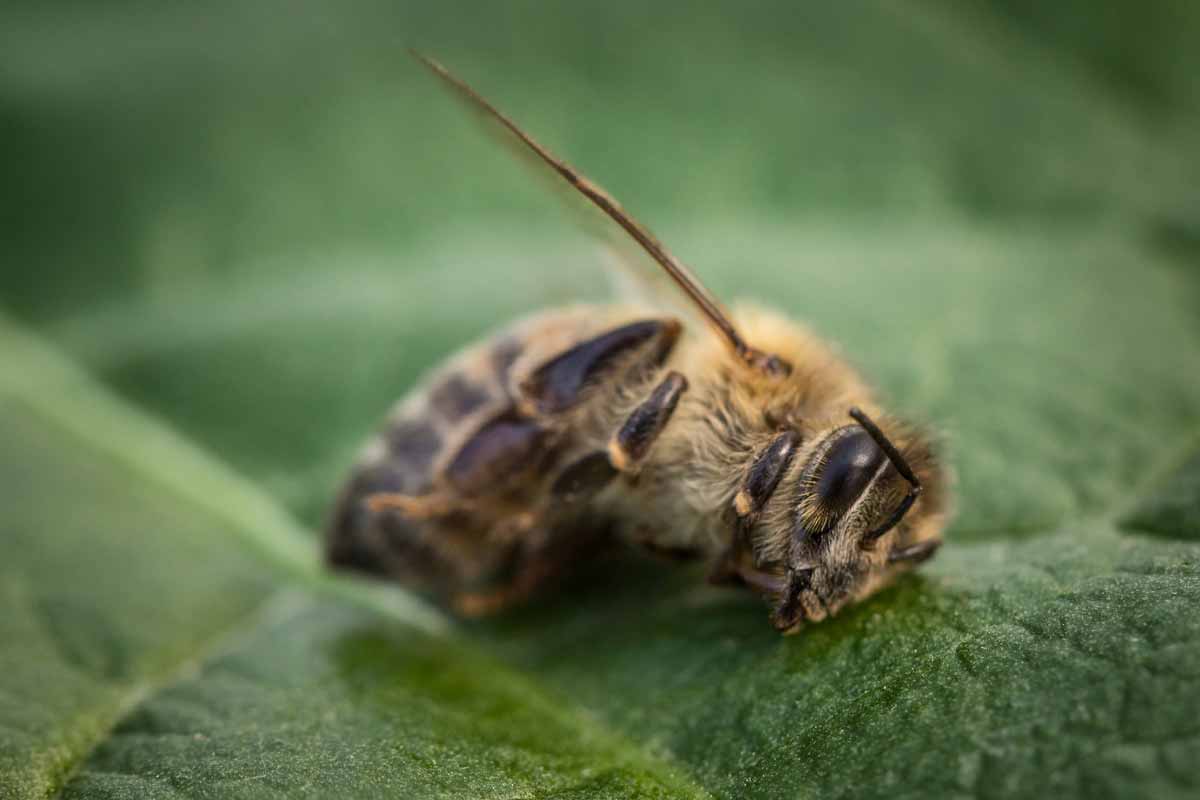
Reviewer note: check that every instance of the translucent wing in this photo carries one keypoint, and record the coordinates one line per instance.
(703, 300)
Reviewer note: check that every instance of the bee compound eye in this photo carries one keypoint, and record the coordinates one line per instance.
(849, 466)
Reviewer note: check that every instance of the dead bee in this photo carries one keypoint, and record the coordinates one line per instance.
(756, 448)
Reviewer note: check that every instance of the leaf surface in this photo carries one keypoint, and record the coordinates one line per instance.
(237, 234)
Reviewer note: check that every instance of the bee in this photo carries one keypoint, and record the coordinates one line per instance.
(741, 439)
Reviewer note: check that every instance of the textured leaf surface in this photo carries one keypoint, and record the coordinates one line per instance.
(107, 587)
(329, 702)
(252, 226)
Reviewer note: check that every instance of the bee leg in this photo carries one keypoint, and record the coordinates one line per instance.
(584, 477)
(415, 507)
(630, 444)
(457, 528)
(501, 451)
(592, 472)
(525, 582)
(791, 611)
(559, 383)
(729, 572)
(915, 553)
(761, 479)
(759, 484)
(553, 555)
(666, 552)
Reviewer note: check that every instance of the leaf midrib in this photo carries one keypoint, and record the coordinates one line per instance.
(137, 693)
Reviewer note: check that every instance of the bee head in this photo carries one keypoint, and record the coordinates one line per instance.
(859, 511)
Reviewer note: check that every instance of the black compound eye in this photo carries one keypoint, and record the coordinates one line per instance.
(849, 466)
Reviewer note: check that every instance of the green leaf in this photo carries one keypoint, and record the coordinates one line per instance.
(96, 611)
(235, 234)
(333, 702)
(107, 587)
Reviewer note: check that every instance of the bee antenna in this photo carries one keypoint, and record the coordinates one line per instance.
(901, 466)
(704, 300)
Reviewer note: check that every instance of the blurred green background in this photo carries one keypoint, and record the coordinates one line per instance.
(258, 222)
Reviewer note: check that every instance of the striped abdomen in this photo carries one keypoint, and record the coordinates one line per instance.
(474, 486)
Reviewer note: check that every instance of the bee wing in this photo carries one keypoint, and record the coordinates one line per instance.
(701, 299)
(637, 282)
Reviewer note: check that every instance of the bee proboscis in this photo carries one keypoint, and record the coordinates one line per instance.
(741, 439)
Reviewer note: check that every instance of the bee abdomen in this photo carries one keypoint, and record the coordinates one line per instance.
(362, 541)
(459, 431)
(458, 489)
(410, 456)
